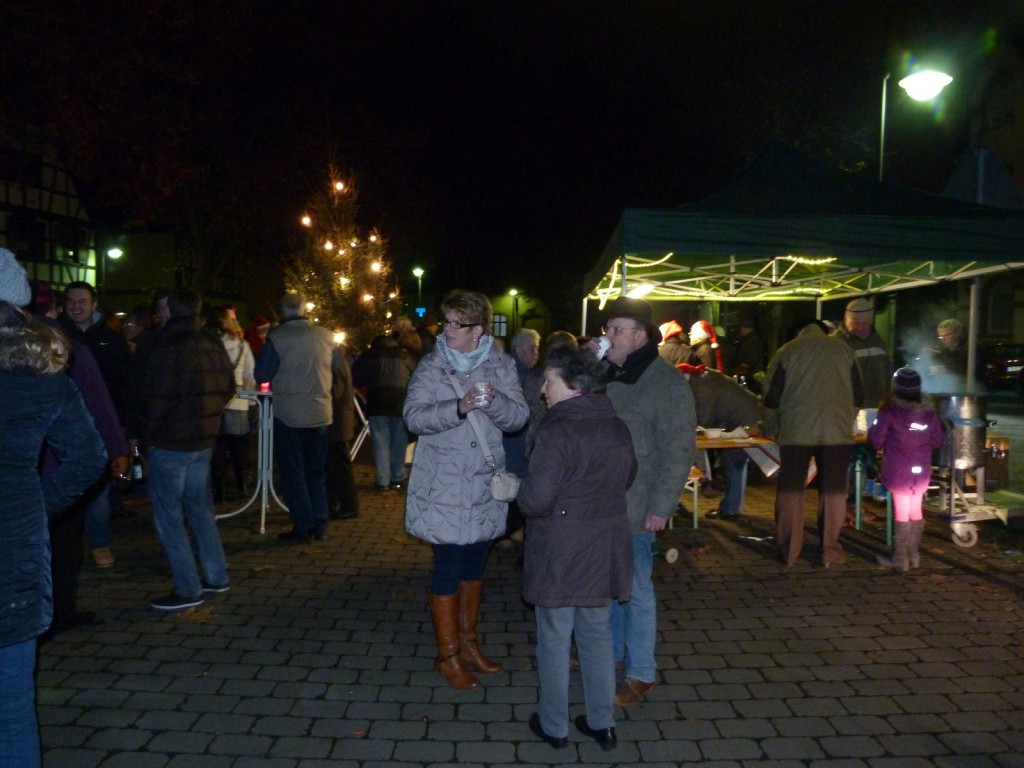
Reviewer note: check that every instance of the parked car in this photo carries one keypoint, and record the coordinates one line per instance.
(1002, 364)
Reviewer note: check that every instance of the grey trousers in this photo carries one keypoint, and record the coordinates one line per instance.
(555, 627)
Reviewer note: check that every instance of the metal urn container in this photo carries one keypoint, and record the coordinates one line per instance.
(965, 424)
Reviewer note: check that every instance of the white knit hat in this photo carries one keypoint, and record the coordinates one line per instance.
(14, 287)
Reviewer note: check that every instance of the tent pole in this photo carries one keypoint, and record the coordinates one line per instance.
(817, 308)
(972, 332)
(583, 318)
(622, 292)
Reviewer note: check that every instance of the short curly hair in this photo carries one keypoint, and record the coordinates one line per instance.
(577, 367)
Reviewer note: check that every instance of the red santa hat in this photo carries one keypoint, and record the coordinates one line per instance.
(701, 330)
(670, 329)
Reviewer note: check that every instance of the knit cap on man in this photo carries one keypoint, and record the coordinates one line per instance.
(906, 383)
(14, 287)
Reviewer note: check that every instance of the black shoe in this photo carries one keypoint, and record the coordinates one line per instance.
(603, 736)
(716, 514)
(397, 486)
(294, 537)
(383, 488)
(174, 602)
(346, 514)
(557, 743)
(217, 588)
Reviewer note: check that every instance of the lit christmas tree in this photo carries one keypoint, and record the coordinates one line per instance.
(344, 276)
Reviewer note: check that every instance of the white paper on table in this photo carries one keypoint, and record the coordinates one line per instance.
(865, 418)
(766, 456)
(768, 459)
(736, 434)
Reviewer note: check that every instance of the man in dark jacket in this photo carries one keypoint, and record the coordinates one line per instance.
(85, 322)
(187, 383)
(721, 402)
(385, 369)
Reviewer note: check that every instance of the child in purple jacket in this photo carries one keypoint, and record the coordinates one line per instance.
(907, 430)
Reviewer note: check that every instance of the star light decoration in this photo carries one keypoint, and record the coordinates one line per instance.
(344, 274)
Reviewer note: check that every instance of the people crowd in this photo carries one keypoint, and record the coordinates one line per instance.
(600, 432)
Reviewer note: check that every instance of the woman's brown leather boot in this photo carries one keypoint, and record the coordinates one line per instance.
(444, 612)
(469, 611)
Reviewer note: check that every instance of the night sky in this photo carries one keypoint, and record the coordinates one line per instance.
(493, 143)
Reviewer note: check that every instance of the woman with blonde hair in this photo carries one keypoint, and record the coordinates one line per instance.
(464, 379)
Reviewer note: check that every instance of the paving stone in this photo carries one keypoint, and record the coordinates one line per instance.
(322, 657)
(180, 741)
(730, 749)
(792, 748)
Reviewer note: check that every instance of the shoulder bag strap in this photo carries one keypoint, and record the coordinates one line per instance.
(471, 416)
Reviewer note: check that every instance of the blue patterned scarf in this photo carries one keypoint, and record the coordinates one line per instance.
(464, 362)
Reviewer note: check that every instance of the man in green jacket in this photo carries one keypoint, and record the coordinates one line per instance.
(810, 399)
(656, 403)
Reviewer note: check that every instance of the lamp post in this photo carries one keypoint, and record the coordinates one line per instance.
(418, 272)
(920, 86)
(515, 309)
(103, 260)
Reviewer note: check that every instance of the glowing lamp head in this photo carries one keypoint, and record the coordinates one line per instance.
(925, 85)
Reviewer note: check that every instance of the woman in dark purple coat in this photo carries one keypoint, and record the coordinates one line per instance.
(578, 554)
(907, 430)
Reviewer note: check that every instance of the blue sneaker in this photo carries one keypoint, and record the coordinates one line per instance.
(175, 602)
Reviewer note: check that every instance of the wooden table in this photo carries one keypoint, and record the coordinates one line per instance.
(711, 443)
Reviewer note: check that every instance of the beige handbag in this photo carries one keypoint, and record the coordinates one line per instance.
(504, 484)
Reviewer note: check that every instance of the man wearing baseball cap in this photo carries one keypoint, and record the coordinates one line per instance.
(869, 348)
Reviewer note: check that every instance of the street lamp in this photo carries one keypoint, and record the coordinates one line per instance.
(920, 86)
(418, 272)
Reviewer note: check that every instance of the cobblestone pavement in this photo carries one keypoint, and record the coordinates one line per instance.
(323, 656)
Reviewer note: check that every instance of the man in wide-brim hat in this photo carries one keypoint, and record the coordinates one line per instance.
(656, 403)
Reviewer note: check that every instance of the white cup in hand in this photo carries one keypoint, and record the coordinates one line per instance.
(482, 390)
(603, 345)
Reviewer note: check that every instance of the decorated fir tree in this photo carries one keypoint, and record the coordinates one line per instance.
(343, 274)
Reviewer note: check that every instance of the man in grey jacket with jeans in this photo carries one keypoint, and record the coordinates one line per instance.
(298, 360)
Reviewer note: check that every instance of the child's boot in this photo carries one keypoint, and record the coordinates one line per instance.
(900, 548)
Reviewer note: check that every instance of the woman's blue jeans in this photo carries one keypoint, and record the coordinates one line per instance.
(457, 562)
(19, 730)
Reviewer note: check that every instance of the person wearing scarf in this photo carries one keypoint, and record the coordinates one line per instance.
(449, 503)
